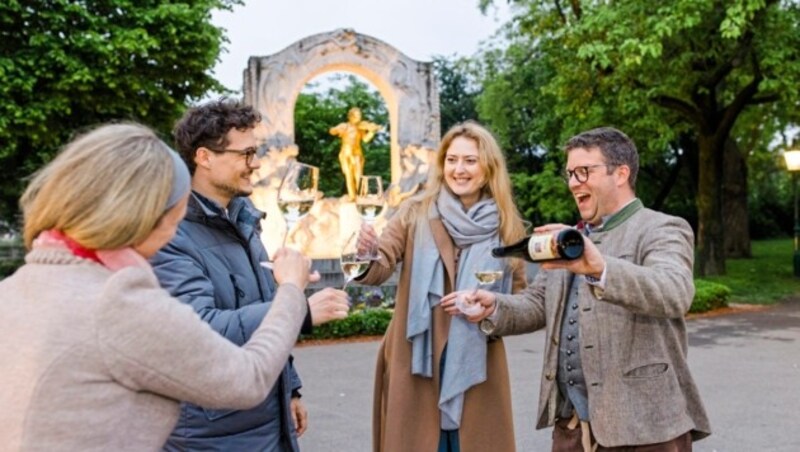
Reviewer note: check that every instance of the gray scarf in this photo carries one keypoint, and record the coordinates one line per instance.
(475, 232)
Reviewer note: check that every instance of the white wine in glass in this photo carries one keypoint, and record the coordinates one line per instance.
(353, 263)
(297, 193)
(488, 276)
(370, 199)
(484, 277)
(352, 267)
(294, 210)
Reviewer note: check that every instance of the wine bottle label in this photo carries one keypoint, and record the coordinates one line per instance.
(542, 247)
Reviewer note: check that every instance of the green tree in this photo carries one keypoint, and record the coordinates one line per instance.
(316, 112)
(66, 65)
(458, 90)
(676, 73)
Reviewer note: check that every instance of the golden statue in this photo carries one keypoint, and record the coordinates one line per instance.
(352, 133)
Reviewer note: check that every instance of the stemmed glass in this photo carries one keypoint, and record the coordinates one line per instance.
(296, 196)
(353, 263)
(370, 200)
(485, 278)
(297, 193)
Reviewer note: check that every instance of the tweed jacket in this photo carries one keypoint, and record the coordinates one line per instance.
(95, 360)
(632, 333)
(405, 406)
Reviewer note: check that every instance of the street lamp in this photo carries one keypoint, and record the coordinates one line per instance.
(792, 157)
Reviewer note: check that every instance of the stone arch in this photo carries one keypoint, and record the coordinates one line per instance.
(273, 83)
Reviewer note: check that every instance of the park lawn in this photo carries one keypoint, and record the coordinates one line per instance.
(766, 278)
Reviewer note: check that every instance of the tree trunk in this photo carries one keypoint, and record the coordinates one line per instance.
(735, 216)
(710, 238)
(666, 187)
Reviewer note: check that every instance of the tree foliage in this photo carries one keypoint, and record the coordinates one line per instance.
(66, 65)
(316, 112)
(458, 90)
(676, 76)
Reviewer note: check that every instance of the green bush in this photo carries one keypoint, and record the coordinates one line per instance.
(362, 322)
(709, 295)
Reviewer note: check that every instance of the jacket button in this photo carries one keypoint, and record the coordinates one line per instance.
(572, 321)
(569, 367)
(572, 383)
(575, 306)
(569, 352)
(555, 341)
(570, 337)
(549, 377)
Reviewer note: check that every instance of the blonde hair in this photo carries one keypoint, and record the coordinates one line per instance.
(498, 182)
(106, 189)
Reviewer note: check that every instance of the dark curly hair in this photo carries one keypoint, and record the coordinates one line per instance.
(207, 126)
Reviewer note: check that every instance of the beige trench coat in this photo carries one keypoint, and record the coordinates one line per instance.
(405, 409)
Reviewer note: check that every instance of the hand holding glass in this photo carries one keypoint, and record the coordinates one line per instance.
(484, 277)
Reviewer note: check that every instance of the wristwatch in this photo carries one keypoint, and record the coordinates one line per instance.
(486, 326)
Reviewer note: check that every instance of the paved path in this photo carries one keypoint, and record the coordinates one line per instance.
(747, 366)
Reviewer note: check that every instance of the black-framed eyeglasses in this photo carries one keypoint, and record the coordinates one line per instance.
(581, 173)
(248, 153)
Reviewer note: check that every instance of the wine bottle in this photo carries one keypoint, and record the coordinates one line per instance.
(546, 246)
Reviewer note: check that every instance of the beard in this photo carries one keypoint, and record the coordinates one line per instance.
(230, 190)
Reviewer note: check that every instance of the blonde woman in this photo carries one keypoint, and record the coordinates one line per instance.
(95, 354)
(440, 383)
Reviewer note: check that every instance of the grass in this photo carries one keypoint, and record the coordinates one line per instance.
(766, 278)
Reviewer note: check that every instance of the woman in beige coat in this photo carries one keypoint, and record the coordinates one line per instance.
(440, 384)
(96, 356)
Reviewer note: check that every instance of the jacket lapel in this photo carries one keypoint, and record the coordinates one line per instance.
(447, 249)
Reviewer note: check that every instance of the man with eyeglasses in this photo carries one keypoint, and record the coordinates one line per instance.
(615, 375)
(212, 264)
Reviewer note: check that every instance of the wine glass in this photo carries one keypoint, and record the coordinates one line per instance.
(370, 200)
(485, 278)
(297, 193)
(353, 263)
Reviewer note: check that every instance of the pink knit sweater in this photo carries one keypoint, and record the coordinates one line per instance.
(95, 360)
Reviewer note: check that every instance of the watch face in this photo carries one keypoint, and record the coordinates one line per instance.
(486, 326)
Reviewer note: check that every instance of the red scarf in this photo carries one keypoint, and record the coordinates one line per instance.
(76, 248)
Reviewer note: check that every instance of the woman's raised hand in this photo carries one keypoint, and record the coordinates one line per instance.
(367, 243)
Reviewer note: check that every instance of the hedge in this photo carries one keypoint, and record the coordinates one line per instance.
(362, 322)
(709, 295)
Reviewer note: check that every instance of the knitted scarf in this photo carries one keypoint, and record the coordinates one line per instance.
(475, 232)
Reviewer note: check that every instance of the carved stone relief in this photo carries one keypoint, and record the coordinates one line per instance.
(272, 85)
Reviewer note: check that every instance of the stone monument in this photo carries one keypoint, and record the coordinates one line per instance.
(272, 85)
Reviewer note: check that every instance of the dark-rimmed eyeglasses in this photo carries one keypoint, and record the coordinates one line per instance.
(248, 153)
(581, 173)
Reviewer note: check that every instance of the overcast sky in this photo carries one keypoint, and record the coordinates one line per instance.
(418, 28)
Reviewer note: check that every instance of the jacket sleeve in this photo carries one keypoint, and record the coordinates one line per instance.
(150, 342)
(519, 275)
(391, 249)
(180, 269)
(661, 284)
(520, 313)
(295, 382)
